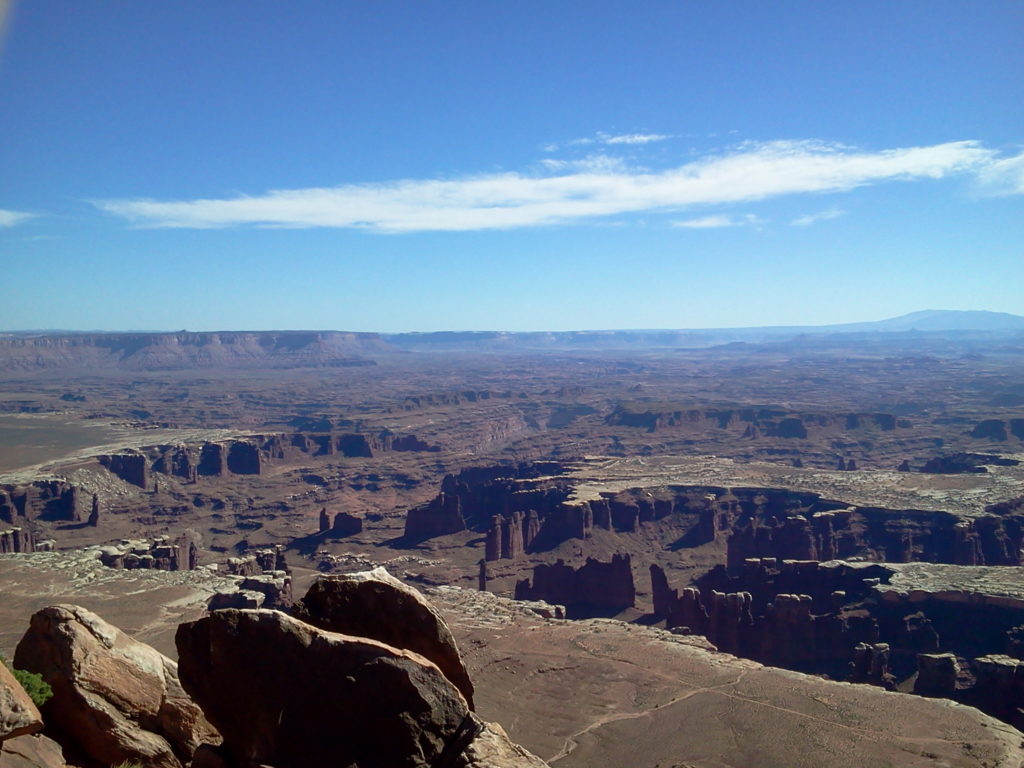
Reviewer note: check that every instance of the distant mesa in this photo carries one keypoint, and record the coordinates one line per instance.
(327, 349)
(184, 350)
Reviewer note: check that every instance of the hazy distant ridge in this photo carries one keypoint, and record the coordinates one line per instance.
(323, 349)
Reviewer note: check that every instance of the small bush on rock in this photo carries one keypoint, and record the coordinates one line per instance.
(37, 689)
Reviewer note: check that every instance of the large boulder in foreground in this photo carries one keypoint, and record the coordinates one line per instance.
(114, 698)
(286, 694)
(35, 751)
(376, 605)
(18, 715)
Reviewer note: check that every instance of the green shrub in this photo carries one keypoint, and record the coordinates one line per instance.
(37, 689)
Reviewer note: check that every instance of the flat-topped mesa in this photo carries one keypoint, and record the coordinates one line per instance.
(531, 508)
(487, 498)
(751, 422)
(47, 499)
(594, 588)
(999, 430)
(249, 455)
(815, 529)
(965, 463)
(191, 350)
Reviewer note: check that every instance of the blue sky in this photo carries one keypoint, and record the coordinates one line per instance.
(521, 165)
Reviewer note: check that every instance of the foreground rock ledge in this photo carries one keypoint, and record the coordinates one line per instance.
(114, 698)
(286, 694)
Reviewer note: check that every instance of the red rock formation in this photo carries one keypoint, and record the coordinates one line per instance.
(52, 499)
(442, 515)
(264, 678)
(16, 540)
(131, 467)
(346, 524)
(212, 460)
(94, 514)
(495, 543)
(730, 622)
(512, 535)
(178, 461)
(936, 675)
(990, 429)
(593, 586)
(116, 699)
(664, 598)
(244, 458)
(35, 751)
(871, 665)
(999, 688)
(376, 605)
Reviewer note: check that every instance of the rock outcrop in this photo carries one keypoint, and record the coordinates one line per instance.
(528, 508)
(18, 715)
(265, 580)
(286, 694)
(441, 516)
(35, 751)
(243, 458)
(346, 525)
(16, 540)
(162, 553)
(999, 689)
(376, 605)
(475, 496)
(131, 467)
(46, 499)
(115, 698)
(936, 675)
(965, 463)
(593, 587)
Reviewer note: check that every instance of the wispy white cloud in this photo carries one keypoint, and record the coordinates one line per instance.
(718, 221)
(609, 139)
(749, 172)
(1004, 176)
(14, 218)
(811, 218)
(598, 163)
(633, 138)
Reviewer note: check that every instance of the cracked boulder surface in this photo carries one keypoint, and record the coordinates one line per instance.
(116, 699)
(376, 605)
(600, 692)
(285, 693)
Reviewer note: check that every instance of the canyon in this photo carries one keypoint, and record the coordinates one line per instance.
(623, 531)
